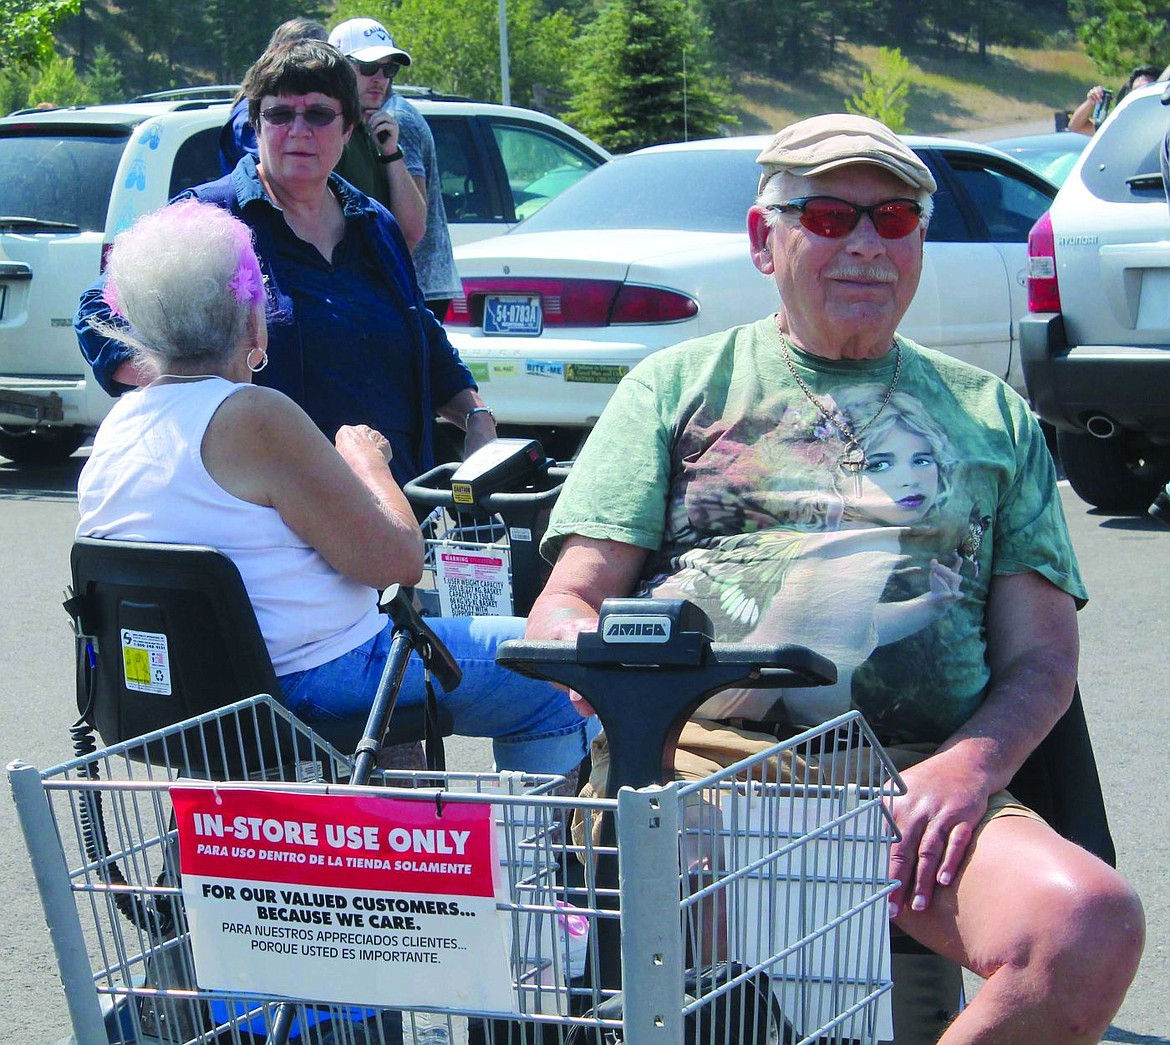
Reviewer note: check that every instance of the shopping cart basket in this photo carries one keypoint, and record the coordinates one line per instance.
(781, 882)
(485, 518)
(766, 880)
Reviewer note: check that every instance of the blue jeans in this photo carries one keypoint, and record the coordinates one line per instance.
(532, 724)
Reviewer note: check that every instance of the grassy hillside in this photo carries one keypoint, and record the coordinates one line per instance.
(951, 94)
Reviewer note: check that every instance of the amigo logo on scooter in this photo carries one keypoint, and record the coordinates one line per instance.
(636, 628)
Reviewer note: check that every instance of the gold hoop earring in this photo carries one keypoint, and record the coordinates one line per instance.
(256, 367)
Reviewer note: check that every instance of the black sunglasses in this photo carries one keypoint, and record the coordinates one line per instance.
(315, 115)
(833, 218)
(389, 67)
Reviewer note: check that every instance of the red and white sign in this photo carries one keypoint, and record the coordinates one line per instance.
(473, 583)
(344, 898)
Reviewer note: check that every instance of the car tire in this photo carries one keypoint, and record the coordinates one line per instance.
(1110, 474)
(28, 444)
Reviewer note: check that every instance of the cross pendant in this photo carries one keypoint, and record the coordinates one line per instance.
(853, 461)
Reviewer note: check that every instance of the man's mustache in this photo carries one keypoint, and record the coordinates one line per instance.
(864, 273)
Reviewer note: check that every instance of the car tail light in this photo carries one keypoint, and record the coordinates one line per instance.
(652, 305)
(1043, 291)
(575, 302)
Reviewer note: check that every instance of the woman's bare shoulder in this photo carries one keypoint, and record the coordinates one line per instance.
(256, 437)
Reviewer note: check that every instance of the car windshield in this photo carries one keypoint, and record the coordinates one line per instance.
(49, 176)
(687, 190)
(1124, 163)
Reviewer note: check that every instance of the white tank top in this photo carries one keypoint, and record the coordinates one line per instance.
(145, 481)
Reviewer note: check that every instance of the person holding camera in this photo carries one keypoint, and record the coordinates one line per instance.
(366, 42)
(1099, 101)
(373, 159)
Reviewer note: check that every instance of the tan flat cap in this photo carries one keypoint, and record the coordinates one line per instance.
(824, 143)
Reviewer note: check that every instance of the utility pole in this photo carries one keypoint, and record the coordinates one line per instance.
(505, 77)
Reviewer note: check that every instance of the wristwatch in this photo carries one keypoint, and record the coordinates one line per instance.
(478, 410)
(390, 157)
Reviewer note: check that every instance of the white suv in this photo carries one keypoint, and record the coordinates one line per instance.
(70, 179)
(1096, 344)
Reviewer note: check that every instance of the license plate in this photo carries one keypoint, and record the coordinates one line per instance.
(515, 315)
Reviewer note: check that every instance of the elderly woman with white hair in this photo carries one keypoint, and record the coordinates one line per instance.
(200, 455)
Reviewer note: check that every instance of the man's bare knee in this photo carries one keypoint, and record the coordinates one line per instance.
(1101, 945)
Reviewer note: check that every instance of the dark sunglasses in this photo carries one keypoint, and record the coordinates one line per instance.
(315, 115)
(834, 218)
(389, 67)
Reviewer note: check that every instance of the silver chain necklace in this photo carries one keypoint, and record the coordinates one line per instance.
(853, 460)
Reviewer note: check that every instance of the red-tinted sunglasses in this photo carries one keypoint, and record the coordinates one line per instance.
(834, 218)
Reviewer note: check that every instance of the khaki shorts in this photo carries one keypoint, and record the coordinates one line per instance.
(706, 747)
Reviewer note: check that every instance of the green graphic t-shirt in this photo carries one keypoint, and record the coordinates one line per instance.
(711, 456)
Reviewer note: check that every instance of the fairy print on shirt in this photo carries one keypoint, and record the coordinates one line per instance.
(790, 548)
(712, 458)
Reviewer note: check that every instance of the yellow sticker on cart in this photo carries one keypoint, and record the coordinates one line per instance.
(146, 663)
(137, 662)
(461, 493)
(595, 373)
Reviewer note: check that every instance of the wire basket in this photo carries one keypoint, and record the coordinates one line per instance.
(751, 904)
(483, 558)
(467, 565)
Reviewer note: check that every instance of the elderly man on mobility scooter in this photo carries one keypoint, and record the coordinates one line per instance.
(816, 478)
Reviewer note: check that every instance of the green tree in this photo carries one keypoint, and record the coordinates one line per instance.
(961, 23)
(456, 47)
(788, 39)
(885, 90)
(14, 85)
(239, 32)
(56, 82)
(643, 76)
(162, 42)
(26, 29)
(105, 76)
(1119, 34)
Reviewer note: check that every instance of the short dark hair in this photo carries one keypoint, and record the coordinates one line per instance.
(303, 67)
(1148, 71)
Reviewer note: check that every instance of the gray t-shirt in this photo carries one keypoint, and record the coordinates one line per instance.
(433, 260)
(711, 456)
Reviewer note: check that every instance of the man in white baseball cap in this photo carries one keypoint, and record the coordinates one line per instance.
(409, 151)
(374, 160)
(365, 40)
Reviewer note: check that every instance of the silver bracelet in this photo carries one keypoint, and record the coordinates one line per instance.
(477, 410)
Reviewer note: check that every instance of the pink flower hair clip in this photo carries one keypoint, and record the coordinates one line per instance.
(247, 283)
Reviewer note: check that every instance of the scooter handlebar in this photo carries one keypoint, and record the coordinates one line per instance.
(761, 666)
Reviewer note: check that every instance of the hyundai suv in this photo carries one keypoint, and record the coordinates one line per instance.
(71, 179)
(1096, 343)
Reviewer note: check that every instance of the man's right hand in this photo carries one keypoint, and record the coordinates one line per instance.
(586, 572)
(383, 127)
